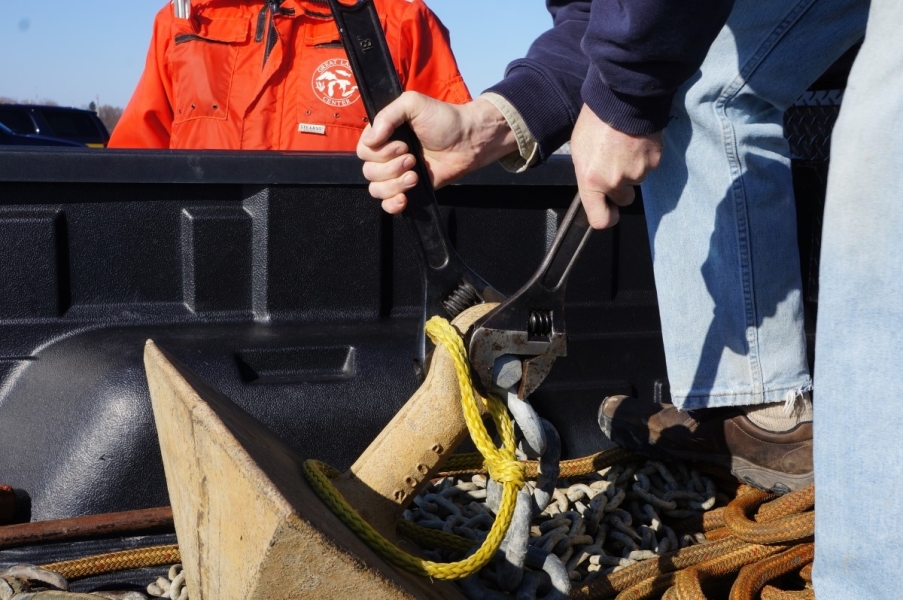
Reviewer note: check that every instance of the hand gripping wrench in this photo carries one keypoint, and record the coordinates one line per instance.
(449, 285)
(529, 324)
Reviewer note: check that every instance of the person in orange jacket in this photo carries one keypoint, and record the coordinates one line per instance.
(272, 75)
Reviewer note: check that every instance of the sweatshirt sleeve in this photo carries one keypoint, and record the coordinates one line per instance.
(624, 59)
(146, 121)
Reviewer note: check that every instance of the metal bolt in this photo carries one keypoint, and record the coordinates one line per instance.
(507, 371)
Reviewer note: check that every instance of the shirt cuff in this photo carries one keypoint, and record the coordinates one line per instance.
(527, 153)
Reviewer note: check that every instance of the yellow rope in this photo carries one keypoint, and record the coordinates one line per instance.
(500, 462)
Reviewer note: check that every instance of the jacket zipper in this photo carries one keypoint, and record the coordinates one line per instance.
(266, 23)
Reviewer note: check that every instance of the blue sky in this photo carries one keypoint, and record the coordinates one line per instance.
(74, 52)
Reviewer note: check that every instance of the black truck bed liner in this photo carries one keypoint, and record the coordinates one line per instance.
(279, 280)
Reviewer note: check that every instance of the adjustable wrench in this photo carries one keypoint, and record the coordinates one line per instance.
(529, 324)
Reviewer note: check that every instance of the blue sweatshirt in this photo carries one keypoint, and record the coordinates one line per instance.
(623, 58)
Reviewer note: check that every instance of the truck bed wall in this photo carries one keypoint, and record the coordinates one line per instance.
(279, 280)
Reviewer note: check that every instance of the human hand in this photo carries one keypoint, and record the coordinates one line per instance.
(456, 139)
(608, 164)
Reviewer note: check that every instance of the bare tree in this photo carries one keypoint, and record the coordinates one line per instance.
(109, 115)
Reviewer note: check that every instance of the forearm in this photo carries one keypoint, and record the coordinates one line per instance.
(488, 134)
(633, 58)
(544, 86)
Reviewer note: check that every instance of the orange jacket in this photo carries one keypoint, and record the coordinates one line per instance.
(210, 84)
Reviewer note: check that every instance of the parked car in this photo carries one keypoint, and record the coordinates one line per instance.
(74, 124)
(8, 137)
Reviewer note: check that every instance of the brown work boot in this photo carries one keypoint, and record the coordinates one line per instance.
(774, 461)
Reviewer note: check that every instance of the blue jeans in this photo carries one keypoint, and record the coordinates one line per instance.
(721, 212)
(859, 341)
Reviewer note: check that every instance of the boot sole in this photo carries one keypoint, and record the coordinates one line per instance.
(769, 480)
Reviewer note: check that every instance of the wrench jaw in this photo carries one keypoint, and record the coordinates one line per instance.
(490, 294)
(536, 369)
(538, 356)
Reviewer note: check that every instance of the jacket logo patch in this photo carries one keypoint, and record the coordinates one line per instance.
(334, 83)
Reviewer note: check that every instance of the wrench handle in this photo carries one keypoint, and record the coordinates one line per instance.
(365, 43)
(569, 241)
(444, 274)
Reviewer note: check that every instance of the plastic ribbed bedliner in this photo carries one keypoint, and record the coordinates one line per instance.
(278, 279)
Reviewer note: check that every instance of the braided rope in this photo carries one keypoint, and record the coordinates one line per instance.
(753, 577)
(794, 502)
(500, 462)
(116, 561)
(648, 588)
(642, 575)
(718, 534)
(770, 592)
(472, 464)
(792, 527)
(806, 573)
(783, 523)
(688, 582)
(713, 519)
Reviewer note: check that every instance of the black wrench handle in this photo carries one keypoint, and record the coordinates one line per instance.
(443, 271)
(371, 62)
(569, 241)
(544, 292)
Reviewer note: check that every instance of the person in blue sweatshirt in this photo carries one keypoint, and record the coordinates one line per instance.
(686, 99)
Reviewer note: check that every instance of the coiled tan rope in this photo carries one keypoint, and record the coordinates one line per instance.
(786, 527)
(472, 463)
(752, 578)
(116, 561)
(783, 528)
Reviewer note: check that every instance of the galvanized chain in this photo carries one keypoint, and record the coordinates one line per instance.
(592, 525)
(477, 502)
(172, 587)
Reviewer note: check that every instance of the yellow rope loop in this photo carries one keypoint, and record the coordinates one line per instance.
(506, 471)
(501, 464)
